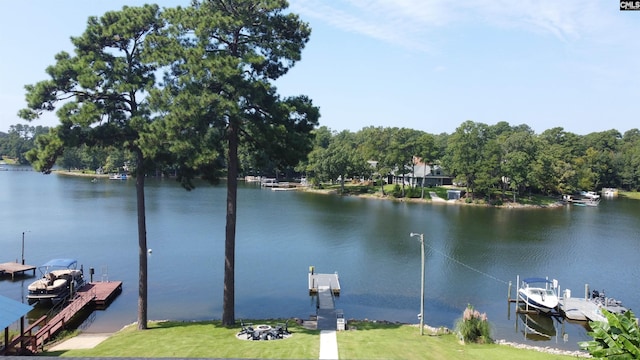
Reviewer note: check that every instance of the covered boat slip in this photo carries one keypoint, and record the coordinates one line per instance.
(94, 295)
(10, 312)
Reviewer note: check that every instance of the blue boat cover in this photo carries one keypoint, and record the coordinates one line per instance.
(11, 311)
(62, 263)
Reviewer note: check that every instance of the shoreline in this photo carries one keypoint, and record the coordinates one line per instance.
(439, 200)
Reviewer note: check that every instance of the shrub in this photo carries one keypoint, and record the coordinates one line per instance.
(414, 192)
(474, 327)
(616, 338)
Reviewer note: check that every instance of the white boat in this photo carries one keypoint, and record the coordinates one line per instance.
(587, 202)
(59, 277)
(118, 177)
(539, 294)
(590, 195)
(269, 182)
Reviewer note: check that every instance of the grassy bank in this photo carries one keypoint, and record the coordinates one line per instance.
(368, 341)
(630, 194)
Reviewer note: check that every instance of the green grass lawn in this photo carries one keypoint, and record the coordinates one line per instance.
(369, 340)
(630, 194)
(198, 340)
(394, 341)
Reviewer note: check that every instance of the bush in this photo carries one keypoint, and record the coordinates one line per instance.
(474, 327)
(414, 192)
(616, 338)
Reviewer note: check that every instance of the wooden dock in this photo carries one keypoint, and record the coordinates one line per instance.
(14, 268)
(102, 293)
(95, 294)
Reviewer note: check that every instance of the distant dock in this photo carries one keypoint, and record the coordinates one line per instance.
(14, 268)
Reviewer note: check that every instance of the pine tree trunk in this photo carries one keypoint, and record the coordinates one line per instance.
(142, 242)
(228, 303)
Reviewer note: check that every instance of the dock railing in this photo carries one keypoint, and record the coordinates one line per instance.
(60, 320)
(26, 337)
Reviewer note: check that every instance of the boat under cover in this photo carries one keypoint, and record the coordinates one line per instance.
(539, 293)
(59, 277)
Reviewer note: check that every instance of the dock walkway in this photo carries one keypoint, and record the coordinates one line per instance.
(97, 294)
(326, 287)
(14, 268)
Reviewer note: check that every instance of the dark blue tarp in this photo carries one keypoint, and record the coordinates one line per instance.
(11, 311)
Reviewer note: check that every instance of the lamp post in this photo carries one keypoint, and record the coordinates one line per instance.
(422, 283)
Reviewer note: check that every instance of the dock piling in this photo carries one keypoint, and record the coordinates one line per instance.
(586, 291)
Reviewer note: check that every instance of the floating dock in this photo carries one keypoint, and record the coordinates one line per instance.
(326, 287)
(14, 268)
(318, 281)
(580, 309)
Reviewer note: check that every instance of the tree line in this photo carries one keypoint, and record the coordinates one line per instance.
(486, 159)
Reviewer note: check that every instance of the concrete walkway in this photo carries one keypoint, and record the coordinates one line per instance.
(328, 345)
(81, 341)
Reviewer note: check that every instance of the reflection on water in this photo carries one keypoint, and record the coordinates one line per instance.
(535, 326)
(472, 252)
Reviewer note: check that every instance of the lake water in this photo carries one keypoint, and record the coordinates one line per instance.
(471, 252)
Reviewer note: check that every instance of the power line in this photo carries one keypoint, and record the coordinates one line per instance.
(467, 266)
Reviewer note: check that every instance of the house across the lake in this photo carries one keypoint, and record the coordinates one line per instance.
(414, 176)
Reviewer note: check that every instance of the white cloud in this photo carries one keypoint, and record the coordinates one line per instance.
(406, 22)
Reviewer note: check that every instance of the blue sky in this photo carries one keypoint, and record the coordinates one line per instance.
(423, 64)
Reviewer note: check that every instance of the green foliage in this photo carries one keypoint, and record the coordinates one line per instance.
(616, 338)
(414, 192)
(397, 191)
(474, 327)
